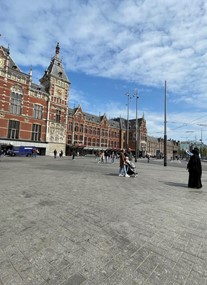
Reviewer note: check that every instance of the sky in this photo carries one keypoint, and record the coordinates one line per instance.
(111, 48)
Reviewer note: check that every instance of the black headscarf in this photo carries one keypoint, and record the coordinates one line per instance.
(195, 151)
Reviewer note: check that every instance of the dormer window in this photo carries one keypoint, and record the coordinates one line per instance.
(60, 73)
(14, 67)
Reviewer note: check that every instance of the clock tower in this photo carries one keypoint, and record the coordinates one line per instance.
(57, 85)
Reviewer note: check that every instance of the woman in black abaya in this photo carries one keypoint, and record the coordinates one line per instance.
(195, 170)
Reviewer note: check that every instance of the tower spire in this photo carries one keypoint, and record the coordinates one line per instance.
(57, 51)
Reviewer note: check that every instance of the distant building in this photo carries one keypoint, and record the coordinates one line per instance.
(155, 147)
(38, 115)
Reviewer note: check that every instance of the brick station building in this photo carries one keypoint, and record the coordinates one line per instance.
(37, 115)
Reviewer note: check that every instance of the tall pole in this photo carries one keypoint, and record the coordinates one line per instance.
(136, 134)
(165, 127)
(201, 148)
(127, 136)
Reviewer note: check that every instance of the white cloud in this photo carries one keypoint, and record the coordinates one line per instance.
(140, 41)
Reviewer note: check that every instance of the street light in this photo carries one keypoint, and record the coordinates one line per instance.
(127, 137)
(165, 129)
(137, 127)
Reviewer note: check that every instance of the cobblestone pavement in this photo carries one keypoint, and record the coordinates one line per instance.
(65, 222)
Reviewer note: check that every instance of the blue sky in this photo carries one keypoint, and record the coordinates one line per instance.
(110, 48)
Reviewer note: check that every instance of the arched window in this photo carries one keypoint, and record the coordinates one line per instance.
(16, 100)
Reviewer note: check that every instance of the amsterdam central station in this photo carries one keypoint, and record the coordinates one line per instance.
(37, 115)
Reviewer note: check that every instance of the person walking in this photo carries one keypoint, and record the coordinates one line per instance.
(195, 170)
(129, 154)
(122, 166)
(112, 157)
(61, 154)
(34, 152)
(148, 158)
(55, 153)
(99, 156)
(73, 155)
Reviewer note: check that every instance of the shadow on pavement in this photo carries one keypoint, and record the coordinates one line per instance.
(176, 184)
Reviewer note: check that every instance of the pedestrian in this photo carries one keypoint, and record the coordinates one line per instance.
(61, 154)
(106, 155)
(112, 157)
(55, 153)
(122, 165)
(99, 156)
(34, 152)
(195, 170)
(102, 156)
(73, 155)
(129, 154)
(148, 158)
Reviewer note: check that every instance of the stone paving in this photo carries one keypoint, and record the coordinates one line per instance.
(65, 222)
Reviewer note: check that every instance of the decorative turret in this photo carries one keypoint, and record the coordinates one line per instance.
(55, 69)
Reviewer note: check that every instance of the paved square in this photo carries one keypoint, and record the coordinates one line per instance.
(65, 222)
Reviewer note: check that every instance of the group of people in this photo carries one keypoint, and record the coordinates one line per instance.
(126, 166)
(60, 153)
(105, 156)
(194, 167)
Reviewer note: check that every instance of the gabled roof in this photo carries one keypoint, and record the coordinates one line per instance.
(11, 63)
(93, 118)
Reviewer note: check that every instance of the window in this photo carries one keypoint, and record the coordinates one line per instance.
(69, 139)
(37, 111)
(13, 131)
(36, 132)
(58, 116)
(81, 128)
(80, 139)
(76, 127)
(15, 103)
(70, 126)
(75, 139)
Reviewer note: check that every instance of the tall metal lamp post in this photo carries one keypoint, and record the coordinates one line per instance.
(165, 128)
(127, 136)
(137, 127)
